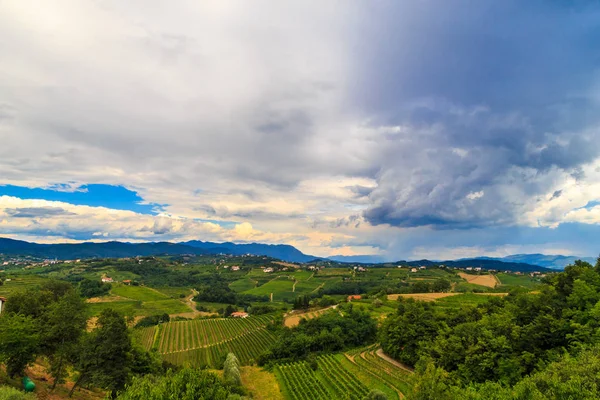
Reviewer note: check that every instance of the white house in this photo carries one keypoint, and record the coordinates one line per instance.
(413, 270)
(267, 270)
(478, 269)
(106, 279)
(235, 268)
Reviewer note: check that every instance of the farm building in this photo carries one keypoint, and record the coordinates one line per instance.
(235, 268)
(413, 270)
(239, 314)
(107, 279)
(127, 281)
(267, 270)
(2, 301)
(354, 297)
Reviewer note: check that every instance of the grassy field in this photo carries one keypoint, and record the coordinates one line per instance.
(518, 280)
(139, 308)
(260, 383)
(20, 283)
(138, 293)
(242, 285)
(175, 292)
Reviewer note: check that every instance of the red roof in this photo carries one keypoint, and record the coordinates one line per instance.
(3, 298)
(354, 297)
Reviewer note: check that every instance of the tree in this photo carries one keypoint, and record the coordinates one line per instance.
(64, 323)
(19, 342)
(105, 354)
(231, 370)
(187, 383)
(229, 310)
(441, 285)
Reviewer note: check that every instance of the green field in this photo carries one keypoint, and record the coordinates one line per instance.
(20, 283)
(138, 293)
(518, 280)
(462, 300)
(339, 377)
(139, 308)
(204, 342)
(243, 284)
(175, 292)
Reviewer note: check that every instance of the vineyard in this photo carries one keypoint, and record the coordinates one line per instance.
(204, 342)
(331, 380)
(370, 363)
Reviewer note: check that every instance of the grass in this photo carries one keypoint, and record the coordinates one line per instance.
(461, 300)
(20, 283)
(518, 280)
(280, 287)
(175, 292)
(138, 293)
(139, 308)
(242, 285)
(261, 384)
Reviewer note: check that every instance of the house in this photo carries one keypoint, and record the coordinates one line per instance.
(478, 269)
(106, 279)
(267, 270)
(354, 297)
(239, 314)
(235, 268)
(469, 268)
(422, 267)
(413, 270)
(361, 269)
(2, 301)
(127, 281)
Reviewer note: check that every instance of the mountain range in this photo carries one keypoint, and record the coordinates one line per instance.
(64, 251)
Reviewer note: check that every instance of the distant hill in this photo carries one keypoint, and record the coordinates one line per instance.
(283, 252)
(367, 259)
(519, 262)
(66, 251)
(483, 263)
(549, 261)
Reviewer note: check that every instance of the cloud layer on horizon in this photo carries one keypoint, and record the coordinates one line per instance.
(393, 128)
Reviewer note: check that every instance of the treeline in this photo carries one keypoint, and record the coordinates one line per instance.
(215, 289)
(332, 332)
(501, 342)
(50, 321)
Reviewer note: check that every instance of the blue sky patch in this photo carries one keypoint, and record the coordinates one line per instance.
(95, 195)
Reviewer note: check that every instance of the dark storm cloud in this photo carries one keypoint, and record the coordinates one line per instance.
(492, 98)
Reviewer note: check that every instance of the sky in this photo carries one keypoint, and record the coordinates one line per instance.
(404, 129)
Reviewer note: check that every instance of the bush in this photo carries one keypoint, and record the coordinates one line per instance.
(10, 393)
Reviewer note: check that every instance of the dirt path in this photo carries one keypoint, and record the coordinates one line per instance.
(294, 286)
(190, 303)
(389, 359)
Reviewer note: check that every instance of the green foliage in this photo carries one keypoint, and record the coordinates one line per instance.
(152, 320)
(19, 342)
(10, 393)
(502, 341)
(185, 384)
(231, 370)
(56, 319)
(104, 354)
(93, 288)
(328, 333)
